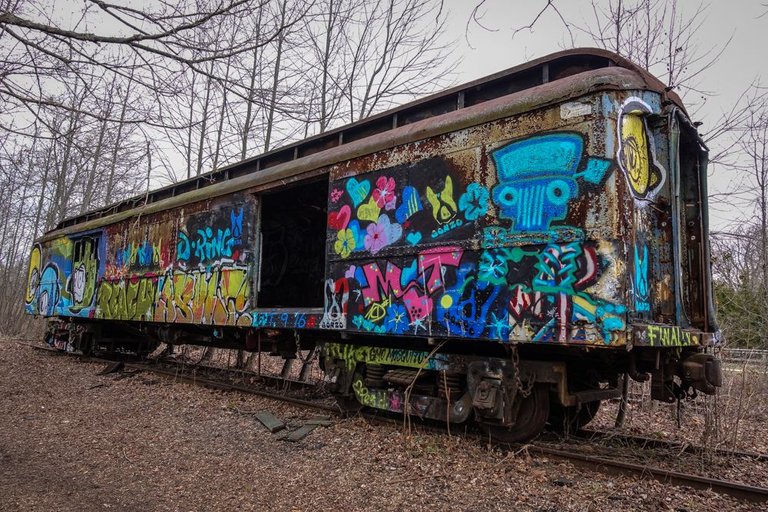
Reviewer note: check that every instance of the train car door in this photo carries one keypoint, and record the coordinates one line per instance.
(690, 226)
(291, 246)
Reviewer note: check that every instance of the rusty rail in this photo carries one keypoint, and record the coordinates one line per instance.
(649, 442)
(734, 489)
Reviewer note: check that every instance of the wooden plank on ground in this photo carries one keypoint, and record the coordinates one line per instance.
(320, 422)
(269, 420)
(300, 433)
(112, 368)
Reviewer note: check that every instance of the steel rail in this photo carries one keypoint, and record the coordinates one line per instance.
(726, 487)
(649, 442)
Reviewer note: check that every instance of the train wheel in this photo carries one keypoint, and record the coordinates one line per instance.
(531, 419)
(573, 418)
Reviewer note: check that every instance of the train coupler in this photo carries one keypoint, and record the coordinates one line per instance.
(703, 372)
(698, 371)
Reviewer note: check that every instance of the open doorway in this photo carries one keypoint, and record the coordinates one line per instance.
(293, 224)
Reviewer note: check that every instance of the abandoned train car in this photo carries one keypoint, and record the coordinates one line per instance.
(502, 252)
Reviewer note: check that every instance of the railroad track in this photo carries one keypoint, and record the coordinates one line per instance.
(677, 446)
(738, 490)
(612, 466)
(179, 375)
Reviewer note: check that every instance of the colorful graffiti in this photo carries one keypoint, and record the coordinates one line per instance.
(637, 153)
(142, 254)
(535, 277)
(640, 281)
(219, 296)
(143, 277)
(538, 179)
(212, 236)
(47, 291)
(126, 299)
(443, 206)
(386, 211)
(85, 268)
(501, 248)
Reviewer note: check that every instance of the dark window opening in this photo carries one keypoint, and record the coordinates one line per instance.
(293, 224)
(86, 248)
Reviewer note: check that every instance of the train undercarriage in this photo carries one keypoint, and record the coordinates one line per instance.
(512, 391)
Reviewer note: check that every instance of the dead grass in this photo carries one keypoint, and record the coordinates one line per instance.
(736, 418)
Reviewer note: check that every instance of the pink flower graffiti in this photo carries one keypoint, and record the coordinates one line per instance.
(384, 194)
(381, 234)
(376, 239)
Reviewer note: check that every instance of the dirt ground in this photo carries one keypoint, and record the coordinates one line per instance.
(74, 440)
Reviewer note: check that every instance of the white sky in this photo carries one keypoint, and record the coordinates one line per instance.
(743, 61)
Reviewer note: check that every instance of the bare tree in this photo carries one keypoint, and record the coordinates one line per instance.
(742, 251)
(658, 35)
(192, 85)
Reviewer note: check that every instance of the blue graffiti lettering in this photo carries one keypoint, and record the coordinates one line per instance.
(641, 280)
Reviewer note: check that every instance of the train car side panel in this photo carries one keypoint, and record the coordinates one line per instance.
(506, 231)
(191, 265)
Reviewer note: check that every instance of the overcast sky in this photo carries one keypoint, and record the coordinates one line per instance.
(486, 52)
(742, 62)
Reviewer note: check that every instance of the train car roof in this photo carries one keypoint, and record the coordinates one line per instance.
(534, 84)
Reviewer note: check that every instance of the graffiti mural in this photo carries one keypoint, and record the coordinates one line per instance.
(47, 291)
(150, 270)
(127, 299)
(219, 296)
(532, 280)
(85, 269)
(538, 178)
(401, 207)
(213, 236)
(640, 280)
(637, 154)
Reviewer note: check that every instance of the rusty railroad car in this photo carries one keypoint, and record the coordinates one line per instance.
(500, 252)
